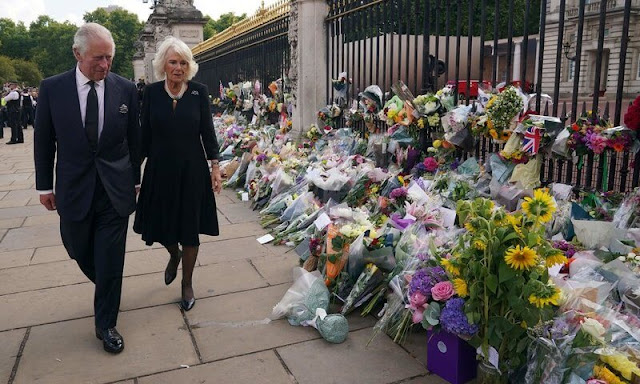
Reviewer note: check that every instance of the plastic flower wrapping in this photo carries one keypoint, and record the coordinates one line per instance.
(411, 230)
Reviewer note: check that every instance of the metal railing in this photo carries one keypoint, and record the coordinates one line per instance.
(256, 48)
(384, 41)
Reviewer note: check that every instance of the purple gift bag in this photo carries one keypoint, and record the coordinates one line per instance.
(450, 357)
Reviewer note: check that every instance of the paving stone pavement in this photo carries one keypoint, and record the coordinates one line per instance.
(46, 321)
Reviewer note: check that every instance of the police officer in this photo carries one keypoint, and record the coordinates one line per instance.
(27, 108)
(13, 100)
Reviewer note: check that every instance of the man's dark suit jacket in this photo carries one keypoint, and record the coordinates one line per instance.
(59, 128)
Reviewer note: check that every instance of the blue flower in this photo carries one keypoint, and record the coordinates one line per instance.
(454, 320)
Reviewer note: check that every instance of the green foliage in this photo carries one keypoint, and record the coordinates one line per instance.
(52, 43)
(27, 71)
(7, 72)
(220, 24)
(16, 41)
(125, 28)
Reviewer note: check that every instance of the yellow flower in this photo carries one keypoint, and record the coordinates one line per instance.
(541, 206)
(450, 268)
(460, 287)
(542, 300)
(492, 132)
(520, 258)
(479, 245)
(504, 135)
(421, 123)
(603, 373)
(622, 364)
(469, 227)
(437, 143)
(555, 258)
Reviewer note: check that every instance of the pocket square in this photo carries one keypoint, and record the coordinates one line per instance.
(195, 93)
(124, 109)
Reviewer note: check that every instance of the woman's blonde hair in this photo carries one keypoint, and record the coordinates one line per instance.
(181, 49)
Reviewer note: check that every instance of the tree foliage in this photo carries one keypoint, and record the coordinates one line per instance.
(27, 71)
(47, 44)
(220, 24)
(125, 28)
(7, 72)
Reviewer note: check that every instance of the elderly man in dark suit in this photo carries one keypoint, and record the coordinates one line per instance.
(90, 117)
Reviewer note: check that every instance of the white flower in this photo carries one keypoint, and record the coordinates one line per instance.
(622, 258)
(637, 258)
(631, 255)
(595, 329)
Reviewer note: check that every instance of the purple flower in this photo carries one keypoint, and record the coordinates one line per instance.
(596, 143)
(261, 157)
(399, 223)
(455, 164)
(454, 320)
(425, 278)
(398, 193)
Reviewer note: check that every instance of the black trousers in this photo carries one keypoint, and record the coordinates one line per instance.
(16, 126)
(27, 116)
(97, 244)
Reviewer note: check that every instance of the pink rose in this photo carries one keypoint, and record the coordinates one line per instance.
(431, 164)
(442, 291)
(417, 300)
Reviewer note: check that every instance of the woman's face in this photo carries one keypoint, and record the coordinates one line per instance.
(176, 67)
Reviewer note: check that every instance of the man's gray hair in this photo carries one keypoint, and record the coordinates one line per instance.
(179, 47)
(88, 32)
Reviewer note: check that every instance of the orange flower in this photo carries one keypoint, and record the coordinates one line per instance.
(618, 147)
(575, 127)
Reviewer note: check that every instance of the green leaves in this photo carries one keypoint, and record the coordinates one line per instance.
(505, 272)
(431, 315)
(492, 283)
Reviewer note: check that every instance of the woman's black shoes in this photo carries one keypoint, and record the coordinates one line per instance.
(187, 304)
(171, 271)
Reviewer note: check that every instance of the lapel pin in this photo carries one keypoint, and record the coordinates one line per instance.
(124, 109)
(195, 93)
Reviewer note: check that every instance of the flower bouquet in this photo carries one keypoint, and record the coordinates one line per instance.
(503, 260)
(501, 111)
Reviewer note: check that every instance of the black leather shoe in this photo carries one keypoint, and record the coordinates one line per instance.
(111, 339)
(11, 142)
(171, 271)
(187, 304)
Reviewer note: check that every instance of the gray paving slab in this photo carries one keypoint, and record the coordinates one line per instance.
(21, 194)
(238, 213)
(156, 340)
(40, 276)
(49, 254)
(13, 259)
(416, 345)
(45, 306)
(14, 202)
(381, 362)
(276, 269)
(12, 213)
(426, 379)
(9, 347)
(31, 237)
(261, 367)
(212, 280)
(235, 231)
(51, 218)
(12, 223)
(150, 260)
(233, 249)
(235, 324)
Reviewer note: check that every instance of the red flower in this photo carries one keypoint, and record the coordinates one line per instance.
(575, 127)
(632, 117)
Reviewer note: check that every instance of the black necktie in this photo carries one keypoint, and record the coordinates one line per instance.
(91, 116)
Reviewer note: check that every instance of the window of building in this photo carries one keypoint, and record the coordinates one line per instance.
(572, 70)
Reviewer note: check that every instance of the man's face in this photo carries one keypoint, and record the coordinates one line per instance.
(95, 63)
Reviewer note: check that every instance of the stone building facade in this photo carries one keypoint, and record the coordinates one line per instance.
(177, 18)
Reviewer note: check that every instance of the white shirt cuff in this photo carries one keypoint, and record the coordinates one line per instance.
(138, 185)
(45, 192)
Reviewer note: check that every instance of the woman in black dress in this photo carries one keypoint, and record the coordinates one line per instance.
(176, 200)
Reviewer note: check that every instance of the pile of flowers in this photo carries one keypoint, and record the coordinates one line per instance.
(501, 111)
(594, 134)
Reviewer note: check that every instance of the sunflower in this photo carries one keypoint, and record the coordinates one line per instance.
(520, 258)
(479, 245)
(555, 258)
(547, 298)
(460, 287)
(449, 267)
(603, 373)
(504, 135)
(541, 206)
(515, 224)
(493, 133)
(469, 227)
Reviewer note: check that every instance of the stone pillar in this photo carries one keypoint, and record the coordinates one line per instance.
(138, 69)
(517, 57)
(308, 72)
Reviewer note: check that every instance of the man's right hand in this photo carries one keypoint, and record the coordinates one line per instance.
(49, 201)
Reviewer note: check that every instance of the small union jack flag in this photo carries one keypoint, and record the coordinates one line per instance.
(532, 139)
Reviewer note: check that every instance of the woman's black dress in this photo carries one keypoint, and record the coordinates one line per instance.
(176, 201)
